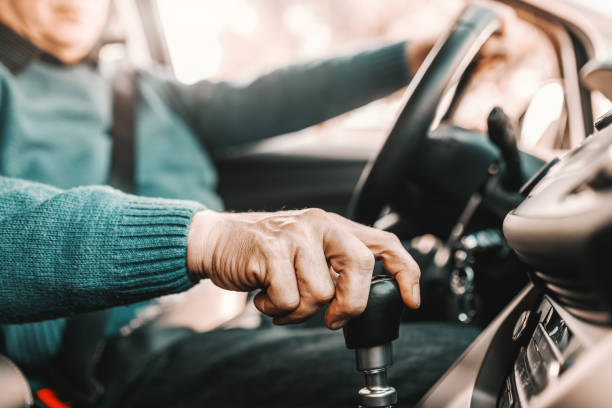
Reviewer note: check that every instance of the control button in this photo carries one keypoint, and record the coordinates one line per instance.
(524, 327)
(604, 120)
(506, 399)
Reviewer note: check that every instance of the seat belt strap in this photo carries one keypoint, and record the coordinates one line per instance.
(73, 371)
(72, 374)
(123, 131)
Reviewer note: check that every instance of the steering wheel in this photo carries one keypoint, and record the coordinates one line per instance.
(442, 68)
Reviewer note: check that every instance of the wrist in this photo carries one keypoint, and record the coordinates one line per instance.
(200, 243)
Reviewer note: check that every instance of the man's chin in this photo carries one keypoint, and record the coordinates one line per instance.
(70, 43)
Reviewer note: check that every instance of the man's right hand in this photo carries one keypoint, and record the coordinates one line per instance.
(300, 259)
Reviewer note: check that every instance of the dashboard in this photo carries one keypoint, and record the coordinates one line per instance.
(564, 226)
(551, 346)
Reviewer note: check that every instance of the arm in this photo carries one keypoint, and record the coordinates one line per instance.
(289, 99)
(86, 248)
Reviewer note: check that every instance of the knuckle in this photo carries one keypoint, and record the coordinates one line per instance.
(365, 261)
(288, 303)
(392, 238)
(325, 295)
(392, 242)
(351, 307)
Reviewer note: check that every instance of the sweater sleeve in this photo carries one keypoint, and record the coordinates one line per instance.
(87, 248)
(288, 99)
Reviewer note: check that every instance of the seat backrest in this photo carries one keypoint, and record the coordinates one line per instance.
(14, 388)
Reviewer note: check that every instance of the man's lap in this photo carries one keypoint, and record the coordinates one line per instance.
(282, 367)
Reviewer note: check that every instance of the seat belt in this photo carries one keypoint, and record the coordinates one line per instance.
(123, 131)
(72, 374)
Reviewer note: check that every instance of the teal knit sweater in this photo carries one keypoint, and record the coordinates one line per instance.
(73, 247)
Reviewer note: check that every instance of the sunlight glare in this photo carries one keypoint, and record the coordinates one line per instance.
(193, 29)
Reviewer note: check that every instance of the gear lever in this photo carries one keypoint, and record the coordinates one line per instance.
(503, 134)
(370, 335)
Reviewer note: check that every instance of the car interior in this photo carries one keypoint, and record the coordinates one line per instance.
(496, 174)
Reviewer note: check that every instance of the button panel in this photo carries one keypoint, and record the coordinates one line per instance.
(541, 359)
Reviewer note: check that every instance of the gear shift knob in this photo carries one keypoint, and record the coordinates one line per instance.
(379, 323)
(370, 335)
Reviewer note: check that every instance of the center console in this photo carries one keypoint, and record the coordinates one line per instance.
(550, 341)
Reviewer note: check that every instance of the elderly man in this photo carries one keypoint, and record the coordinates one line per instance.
(75, 248)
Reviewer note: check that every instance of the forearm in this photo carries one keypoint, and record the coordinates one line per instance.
(292, 98)
(87, 248)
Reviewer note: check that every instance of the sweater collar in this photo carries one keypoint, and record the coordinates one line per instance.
(17, 52)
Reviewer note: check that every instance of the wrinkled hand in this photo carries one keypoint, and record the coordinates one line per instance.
(300, 259)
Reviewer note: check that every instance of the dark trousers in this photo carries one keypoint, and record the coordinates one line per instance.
(278, 367)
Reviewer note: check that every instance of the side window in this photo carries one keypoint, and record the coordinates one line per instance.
(514, 69)
(520, 73)
(238, 39)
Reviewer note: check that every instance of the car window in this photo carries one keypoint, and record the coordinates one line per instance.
(517, 66)
(238, 39)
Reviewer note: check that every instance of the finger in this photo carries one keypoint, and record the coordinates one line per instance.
(281, 295)
(314, 284)
(354, 263)
(397, 261)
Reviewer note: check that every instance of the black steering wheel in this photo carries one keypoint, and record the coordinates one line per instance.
(442, 68)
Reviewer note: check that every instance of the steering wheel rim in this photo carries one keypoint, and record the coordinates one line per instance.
(444, 65)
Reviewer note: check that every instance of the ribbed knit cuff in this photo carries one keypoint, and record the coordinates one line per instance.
(149, 253)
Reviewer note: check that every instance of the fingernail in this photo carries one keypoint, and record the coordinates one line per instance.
(416, 294)
(338, 324)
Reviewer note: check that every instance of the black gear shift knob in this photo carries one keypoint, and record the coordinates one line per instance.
(379, 323)
(371, 334)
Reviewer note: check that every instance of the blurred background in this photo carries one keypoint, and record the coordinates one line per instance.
(239, 39)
